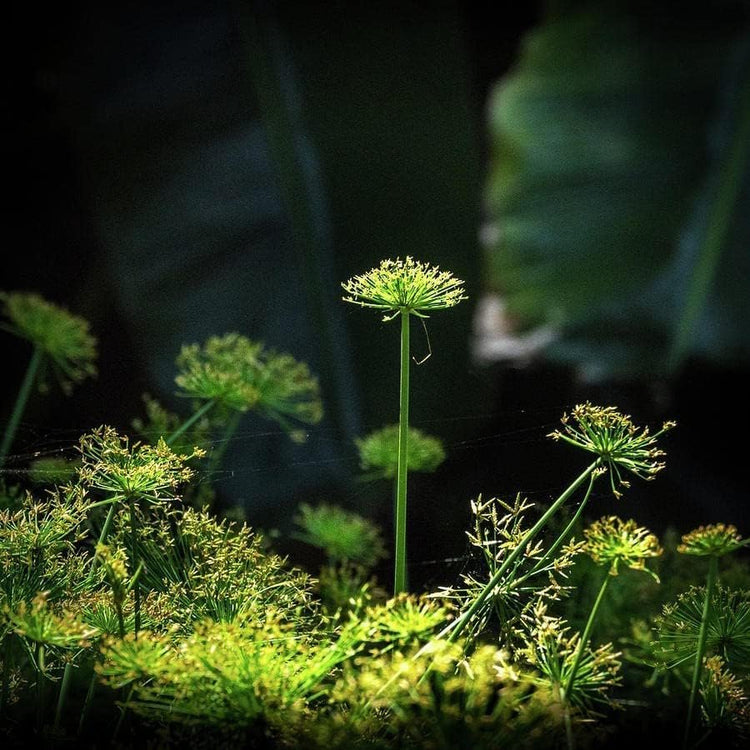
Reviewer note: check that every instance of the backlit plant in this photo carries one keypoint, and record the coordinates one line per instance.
(404, 287)
(59, 338)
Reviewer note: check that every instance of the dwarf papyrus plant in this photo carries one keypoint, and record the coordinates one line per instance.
(611, 543)
(535, 576)
(713, 542)
(617, 445)
(378, 452)
(352, 544)
(404, 288)
(235, 374)
(131, 476)
(59, 338)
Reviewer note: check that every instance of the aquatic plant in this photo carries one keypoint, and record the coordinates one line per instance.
(404, 287)
(379, 451)
(58, 337)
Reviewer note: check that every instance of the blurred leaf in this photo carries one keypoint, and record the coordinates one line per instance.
(619, 150)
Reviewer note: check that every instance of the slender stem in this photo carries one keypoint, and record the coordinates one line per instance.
(566, 531)
(582, 644)
(63, 694)
(713, 572)
(454, 629)
(134, 562)
(190, 421)
(123, 711)
(586, 635)
(399, 583)
(40, 687)
(87, 701)
(20, 405)
(103, 534)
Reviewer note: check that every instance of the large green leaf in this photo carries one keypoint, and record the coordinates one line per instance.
(616, 186)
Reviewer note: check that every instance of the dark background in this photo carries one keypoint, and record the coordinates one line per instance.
(148, 193)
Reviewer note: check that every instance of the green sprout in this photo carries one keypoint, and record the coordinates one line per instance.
(406, 287)
(57, 336)
(613, 437)
(378, 452)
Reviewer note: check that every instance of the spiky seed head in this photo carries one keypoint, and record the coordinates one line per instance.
(405, 286)
(62, 336)
(140, 471)
(714, 540)
(612, 541)
(612, 436)
(378, 451)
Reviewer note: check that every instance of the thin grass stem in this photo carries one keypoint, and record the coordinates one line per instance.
(713, 573)
(20, 405)
(400, 583)
(63, 694)
(190, 421)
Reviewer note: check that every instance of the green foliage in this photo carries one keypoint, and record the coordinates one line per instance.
(612, 541)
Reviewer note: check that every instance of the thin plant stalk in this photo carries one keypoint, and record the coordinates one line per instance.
(123, 712)
(454, 629)
(214, 460)
(713, 573)
(565, 532)
(40, 687)
(399, 583)
(190, 421)
(582, 643)
(63, 694)
(20, 404)
(87, 701)
(135, 566)
(104, 533)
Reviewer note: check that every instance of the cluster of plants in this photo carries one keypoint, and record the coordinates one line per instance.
(131, 614)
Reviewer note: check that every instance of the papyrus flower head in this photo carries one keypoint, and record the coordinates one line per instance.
(378, 452)
(613, 437)
(62, 336)
(405, 286)
(139, 471)
(715, 540)
(241, 374)
(612, 541)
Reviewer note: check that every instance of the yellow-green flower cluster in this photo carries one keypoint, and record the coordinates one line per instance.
(138, 471)
(241, 374)
(612, 436)
(62, 336)
(612, 541)
(379, 451)
(715, 540)
(405, 286)
(223, 369)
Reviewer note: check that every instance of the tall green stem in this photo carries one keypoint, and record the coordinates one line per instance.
(20, 405)
(190, 421)
(88, 699)
(63, 694)
(40, 687)
(399, 583)
(134, 562)
(455, 628)
(713, 573)
(582, 644)
(103, 534)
